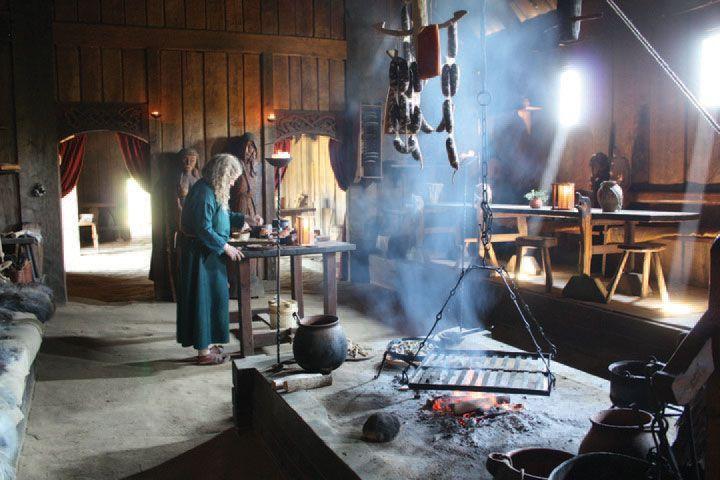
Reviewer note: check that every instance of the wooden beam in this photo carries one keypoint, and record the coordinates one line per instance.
(128, 37)
(36, 132)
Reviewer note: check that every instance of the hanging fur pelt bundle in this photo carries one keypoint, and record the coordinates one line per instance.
(6, 315)
(35, 298)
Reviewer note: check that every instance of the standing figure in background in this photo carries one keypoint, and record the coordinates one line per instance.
(241, 194)
(188, 174)
(242, 200)
(600, 168)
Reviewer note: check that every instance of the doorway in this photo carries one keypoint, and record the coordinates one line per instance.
(107, 226)
(309, 182)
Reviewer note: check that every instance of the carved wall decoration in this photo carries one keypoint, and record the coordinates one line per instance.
(293, 123)
(130, 118)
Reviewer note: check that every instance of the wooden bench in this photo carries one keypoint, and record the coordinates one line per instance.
(544, 244)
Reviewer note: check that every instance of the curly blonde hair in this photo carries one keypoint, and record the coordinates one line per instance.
(220, 172)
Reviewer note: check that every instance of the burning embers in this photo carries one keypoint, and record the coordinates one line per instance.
(472, 408)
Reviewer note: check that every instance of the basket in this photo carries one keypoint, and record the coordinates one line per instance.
(287, 309)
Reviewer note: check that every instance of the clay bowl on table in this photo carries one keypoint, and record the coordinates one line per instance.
(525, 463)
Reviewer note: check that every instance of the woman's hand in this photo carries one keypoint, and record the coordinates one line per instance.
(233, 253)
(258, 220)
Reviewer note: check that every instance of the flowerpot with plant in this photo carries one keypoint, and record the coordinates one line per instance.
(537, 198)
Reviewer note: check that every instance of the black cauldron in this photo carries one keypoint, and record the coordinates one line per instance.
(602, 466)
(320, 345)
(630, 385)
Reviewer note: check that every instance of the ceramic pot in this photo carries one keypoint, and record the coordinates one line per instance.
(525, 463)
(601, 466)
(536, 203)
(320, 345)
(610, 196)
(620, 430)
(630, 384)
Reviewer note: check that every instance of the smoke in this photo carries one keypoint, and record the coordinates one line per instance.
(405, 242)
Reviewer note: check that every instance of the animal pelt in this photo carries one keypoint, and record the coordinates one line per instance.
(35, 298)
(6, 315)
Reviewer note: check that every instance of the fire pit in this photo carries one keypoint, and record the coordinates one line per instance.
(472, 409)
(443, 434)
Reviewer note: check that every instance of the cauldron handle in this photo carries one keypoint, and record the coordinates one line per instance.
(497, 462)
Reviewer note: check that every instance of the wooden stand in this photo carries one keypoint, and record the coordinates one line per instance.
(251, 339)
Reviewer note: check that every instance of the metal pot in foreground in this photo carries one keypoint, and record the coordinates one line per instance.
(602, 466)
(320, 345)
(525, 463)
(630, 384)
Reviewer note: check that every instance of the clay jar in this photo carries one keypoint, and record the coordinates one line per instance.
(320, 345)
(525, 463)
(610, 196)
(620, 430)
(536, 203)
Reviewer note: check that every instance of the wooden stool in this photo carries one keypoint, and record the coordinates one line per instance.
(650, 253)
(542, 243)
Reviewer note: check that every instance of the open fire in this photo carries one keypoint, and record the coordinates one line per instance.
(472, 408)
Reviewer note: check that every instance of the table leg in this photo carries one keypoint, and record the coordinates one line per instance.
(632, 283)
(522, 226)
(296, 284)
(329, 284)
(586, 245)
(630, 238)
(247, 343)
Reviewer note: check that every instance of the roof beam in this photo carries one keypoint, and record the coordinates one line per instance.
(122, 36)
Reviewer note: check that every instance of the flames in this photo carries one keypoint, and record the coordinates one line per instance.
(471, 408)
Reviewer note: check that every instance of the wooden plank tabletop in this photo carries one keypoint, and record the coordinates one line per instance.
(628, 215)
(293, 250)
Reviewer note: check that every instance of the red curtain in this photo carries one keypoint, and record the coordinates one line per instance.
(281, 146)
(71, 159)
(137, 158)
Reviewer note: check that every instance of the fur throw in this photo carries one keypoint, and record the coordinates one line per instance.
(33, 298)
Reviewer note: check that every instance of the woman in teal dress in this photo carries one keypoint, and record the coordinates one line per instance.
(202, 306)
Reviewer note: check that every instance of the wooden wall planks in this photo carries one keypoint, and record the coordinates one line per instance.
(91, 74)
(216, 103)
(236, 94)
(9, 194)
(305, 18)
(192, 103)
(171, 100)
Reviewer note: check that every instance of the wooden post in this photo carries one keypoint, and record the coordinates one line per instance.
(36, 131)
(296, 286)
(247, 342)
(329, 284)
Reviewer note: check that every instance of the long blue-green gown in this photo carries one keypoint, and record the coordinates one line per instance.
(202, 304)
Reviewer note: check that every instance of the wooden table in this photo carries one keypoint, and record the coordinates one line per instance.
(628, 218)
(25, 243)
(249, 340)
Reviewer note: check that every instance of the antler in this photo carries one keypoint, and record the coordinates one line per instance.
(380, 27)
